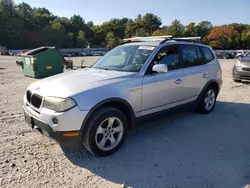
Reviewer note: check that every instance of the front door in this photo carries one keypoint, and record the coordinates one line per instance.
(163, 90)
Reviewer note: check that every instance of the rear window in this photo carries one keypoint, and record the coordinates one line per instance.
(208, 55)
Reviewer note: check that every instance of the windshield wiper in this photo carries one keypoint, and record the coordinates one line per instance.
(106, 69)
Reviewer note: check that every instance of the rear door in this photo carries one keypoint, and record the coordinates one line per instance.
(194, 71)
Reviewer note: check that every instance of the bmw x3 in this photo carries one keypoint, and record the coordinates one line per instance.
(95, 107)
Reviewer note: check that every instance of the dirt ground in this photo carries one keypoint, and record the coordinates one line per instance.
(180, 149)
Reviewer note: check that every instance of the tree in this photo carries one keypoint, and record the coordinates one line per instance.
(222, 36)
(77, 24)
(204, 28)
(130, 28)
(81, 39)
(176, 29)
(246, 38)
(151, 23)
(90, 24)
(22, 26)
(141, 32)
(111, 40)
(25, 11)
(191, 30)
(161, 32)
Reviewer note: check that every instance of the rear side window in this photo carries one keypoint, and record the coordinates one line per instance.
(200, 59)
(208, 55)
(189, 55)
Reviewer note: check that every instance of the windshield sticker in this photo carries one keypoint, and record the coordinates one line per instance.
(146, 47)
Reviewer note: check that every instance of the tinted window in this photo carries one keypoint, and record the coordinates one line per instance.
(208, 55)
(168, 56)
(200, 59)
(189, 55)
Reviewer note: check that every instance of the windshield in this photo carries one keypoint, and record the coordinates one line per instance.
(130, 58)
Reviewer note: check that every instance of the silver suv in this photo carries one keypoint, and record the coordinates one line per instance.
(94, 107)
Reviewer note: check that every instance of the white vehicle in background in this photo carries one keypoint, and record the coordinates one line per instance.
(241, 53)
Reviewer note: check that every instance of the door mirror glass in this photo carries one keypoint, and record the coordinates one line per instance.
(160, 68)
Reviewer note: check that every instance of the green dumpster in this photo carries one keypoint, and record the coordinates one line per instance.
(42, 62)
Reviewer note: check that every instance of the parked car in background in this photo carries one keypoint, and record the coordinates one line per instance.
(66, 54)
(4, 52)
(86, 53)
(24, 51)
(241, 53)
(241, 69)
(225, 55)
(97, 53)
(94, 107)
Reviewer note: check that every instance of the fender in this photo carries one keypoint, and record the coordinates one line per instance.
(203, 90)
(102, 103)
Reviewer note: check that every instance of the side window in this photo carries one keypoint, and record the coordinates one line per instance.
(208, 55)
(168, 56)
(189, 55)
(200, 59)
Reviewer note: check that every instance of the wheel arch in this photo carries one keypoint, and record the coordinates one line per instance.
(213, 83)
(117, 103)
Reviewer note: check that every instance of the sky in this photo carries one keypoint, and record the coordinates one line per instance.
(217, 11)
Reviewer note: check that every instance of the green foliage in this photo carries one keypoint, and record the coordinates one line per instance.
(176, 29)
(22, 26)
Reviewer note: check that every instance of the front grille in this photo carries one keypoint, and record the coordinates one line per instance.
(28, 95)
(246, 69)
(36, 100)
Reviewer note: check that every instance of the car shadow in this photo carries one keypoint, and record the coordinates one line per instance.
(180, 149)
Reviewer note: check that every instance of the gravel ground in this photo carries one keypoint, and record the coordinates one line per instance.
(179, 149)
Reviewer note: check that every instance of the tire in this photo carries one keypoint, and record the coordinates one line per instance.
(99, 121)
(202, 104)
(237, 81)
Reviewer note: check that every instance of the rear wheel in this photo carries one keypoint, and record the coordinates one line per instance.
(105, 131)
(207, 101)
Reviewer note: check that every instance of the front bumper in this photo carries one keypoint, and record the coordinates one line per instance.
(69, 123)
(239, 73)
(46, 130)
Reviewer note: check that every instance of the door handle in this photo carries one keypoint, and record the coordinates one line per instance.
(178, 81)
(205, 75)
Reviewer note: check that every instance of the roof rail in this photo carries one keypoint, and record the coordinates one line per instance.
(161, 39)
(189, 39)
(186, 38)
(147, 39)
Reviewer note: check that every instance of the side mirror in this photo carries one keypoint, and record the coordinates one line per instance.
(160, 68)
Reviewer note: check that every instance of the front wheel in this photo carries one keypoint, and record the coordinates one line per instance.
(207, 102)
(105, 131)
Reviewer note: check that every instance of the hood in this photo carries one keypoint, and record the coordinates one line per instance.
(245, 62)
(76, 81)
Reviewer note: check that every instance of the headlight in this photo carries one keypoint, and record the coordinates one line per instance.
(58, 104)
(238, 63)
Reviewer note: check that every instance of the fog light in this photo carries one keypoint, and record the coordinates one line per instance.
(55, 120)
